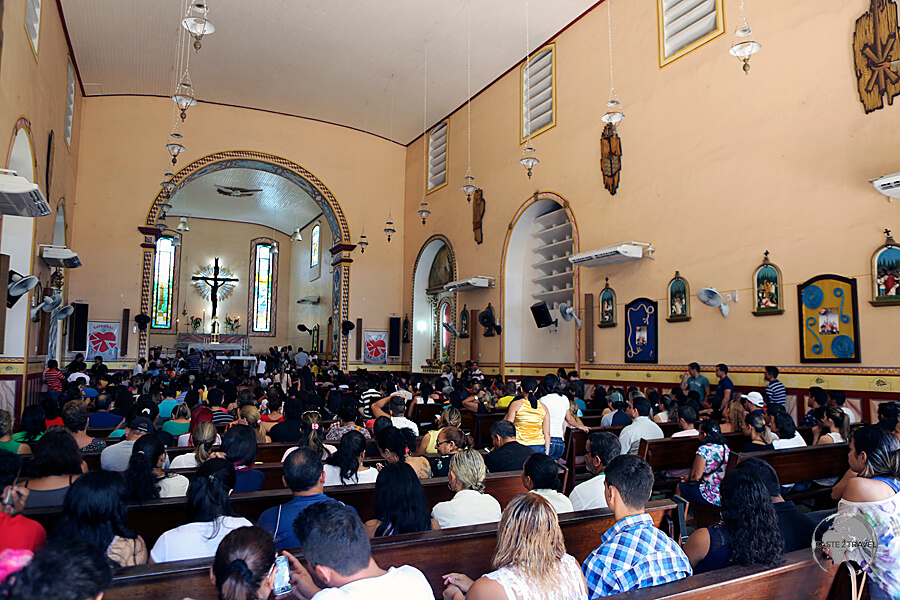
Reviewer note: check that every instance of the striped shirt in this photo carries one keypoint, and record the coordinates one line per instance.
(775, 392)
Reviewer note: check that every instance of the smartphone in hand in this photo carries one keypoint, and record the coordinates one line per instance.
(282, 575)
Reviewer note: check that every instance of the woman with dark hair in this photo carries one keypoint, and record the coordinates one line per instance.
(748, 534)
(145, 477)
(832, 426)
(540, 474)
(394, 448)
(449, 441)
(598, 400)
(449, 417)
(33, 425)
(209, 516)
(558, 413)
(57, 464)
(312, 434)
(760, 435)
(347, 415)
(75, 418)
(240, 447)
(701, 486)
(666, 411)
(51, 412)
(242, 569)
(95, 510)
(871, 491)
(180, 423)
(400, 505)
(530, 418)
(70, 570)
(345, 467)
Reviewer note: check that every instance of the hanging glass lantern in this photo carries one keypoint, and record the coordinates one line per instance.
(389, 228)
(184, 101)
(743, 45)
(363, 242)
(469, 188)
(174, 150)
(423, 211)
(197, 24)
(529, 160)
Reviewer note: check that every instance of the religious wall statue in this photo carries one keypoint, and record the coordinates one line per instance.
(611, 158)
(478, 215)
(464, 323)
(875, 45)
(441, 272)
(406, 329)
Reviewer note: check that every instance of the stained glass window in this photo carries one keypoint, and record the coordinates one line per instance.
(314, 248)
(163, 284)
(263, 281)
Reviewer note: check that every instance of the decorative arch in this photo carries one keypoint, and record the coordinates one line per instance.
(537, 197)
(277, 165)
(23, 124)
(429, 243)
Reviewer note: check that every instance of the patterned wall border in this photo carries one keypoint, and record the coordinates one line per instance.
(271, 163)
(412, 293)
(576, 301)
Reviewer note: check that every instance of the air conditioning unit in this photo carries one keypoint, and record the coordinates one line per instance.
(612, 254)
(472, 283)
(308, 300)
(60, 257)
(889, 185)
(20, 197)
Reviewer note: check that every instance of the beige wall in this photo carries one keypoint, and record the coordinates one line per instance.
(123, 158)
(307, 282)
(718, 167)
(230, 242)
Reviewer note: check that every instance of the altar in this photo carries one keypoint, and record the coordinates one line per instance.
(227, 342)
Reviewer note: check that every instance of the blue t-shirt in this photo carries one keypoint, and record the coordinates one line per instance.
(104, 419)
(724, 384)
(166, 406)
(699, 384)
(279, 520)
(249, 480)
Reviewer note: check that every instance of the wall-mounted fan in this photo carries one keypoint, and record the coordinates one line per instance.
(568, 313)
(489, 321)
(710, 297)
(347, 327)
(49, 304)
(58, 315)
(18, 286)
(142, 320)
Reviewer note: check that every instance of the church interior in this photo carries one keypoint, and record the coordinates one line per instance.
(716, 172)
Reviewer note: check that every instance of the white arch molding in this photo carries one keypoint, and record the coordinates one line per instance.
(423, 334)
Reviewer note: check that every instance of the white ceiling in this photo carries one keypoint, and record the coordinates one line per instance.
(332, 60)
(281, 205)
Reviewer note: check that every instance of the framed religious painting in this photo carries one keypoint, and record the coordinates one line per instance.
(829, 320)
(641, 331)
(607, 307)
(767, 298)
(886, 273)
(679, 298)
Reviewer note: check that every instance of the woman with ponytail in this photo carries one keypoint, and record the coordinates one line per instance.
(312, 435)
(145, 477)
(209, 516)
(203, 438)
(760, 435)
(242, 569)
(249, 415)
(870, 491)
(833, 426)
(345, 467)
(530, 417)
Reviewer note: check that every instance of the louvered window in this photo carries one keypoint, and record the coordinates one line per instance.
(33, 21)
(537, 93)
(70, 105)
(437, 156)
(685, 25)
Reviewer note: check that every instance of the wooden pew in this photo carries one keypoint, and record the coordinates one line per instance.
(155, 517)
(463, 549)
(799, 578)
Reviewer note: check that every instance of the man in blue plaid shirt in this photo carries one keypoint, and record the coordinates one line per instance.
(633, 554)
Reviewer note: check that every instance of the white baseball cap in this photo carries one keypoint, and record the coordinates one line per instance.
(754, 398)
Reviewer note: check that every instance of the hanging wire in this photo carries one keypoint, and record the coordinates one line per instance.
(612, 86)
(527, 79)
(425, 134)
(469, 84)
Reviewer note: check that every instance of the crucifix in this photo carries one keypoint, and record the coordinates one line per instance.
(214, 282)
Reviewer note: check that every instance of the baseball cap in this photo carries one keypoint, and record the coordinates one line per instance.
(754, 398)
(142, 424)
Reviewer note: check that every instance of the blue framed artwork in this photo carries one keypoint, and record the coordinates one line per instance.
(641, 331)
(829, 320)
(767, 285)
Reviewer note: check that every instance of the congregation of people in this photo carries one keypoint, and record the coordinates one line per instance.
(353, 429)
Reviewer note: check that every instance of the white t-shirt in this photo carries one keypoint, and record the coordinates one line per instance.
(642, 428)
(685, 433)
(265, 381)
(77, 376)
(185, 461)
(850, 414)
(467, 507)
(590, 494)
(399, 582)
(333, 476)
(138, 369)
(559, 501)
(193, 541)
(401, 422)
(174, 486)
(327, 450)
(795, 442)
(556, 406)
(260, 367)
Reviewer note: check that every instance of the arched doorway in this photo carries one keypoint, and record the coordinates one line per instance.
(432, 305)
(535, 267)
(331, 213)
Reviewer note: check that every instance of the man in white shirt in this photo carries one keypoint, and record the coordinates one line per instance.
(139, 367)
(301, 358)
(687, 419)
(337, 549)
(642, 426)
(601, 447)
(788, 436)
(116, 457)
(79, 374)
(396, 404)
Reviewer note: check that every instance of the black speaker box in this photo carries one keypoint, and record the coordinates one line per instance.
(541, 315)
(394, 336)
(78, 328)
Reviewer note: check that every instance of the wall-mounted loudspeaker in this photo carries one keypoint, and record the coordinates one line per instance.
(78, 328)
(394, 337)
(541, 314)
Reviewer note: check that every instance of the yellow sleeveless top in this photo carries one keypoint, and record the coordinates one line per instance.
(431, 448)
(529, 424)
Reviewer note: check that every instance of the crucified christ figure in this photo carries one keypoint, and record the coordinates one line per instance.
(214, 282)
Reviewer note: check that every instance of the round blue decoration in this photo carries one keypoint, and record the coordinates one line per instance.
(842, 346)
(813, 296)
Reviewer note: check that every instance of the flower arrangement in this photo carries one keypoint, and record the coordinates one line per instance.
(232, 323)
(195, 324)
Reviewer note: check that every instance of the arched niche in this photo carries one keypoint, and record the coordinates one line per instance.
(435, 263)
(20, 157)
(524, 284)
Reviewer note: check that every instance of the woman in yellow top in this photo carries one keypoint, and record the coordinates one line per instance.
(530, 418)
(449, 417)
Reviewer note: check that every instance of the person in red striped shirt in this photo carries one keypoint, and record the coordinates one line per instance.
(54, 379)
